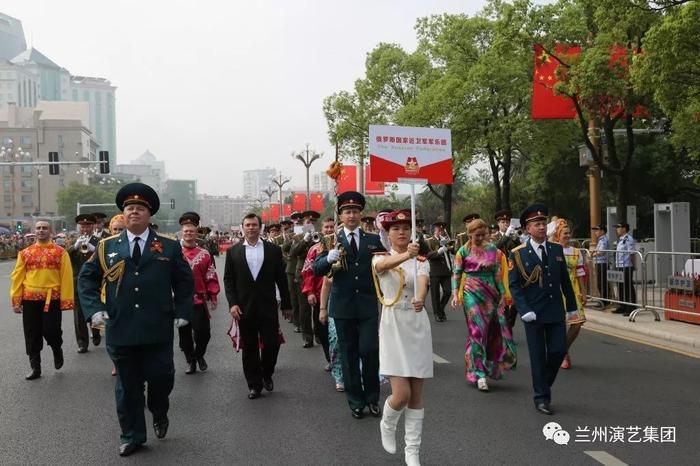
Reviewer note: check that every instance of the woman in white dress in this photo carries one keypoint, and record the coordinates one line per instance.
(405, 342)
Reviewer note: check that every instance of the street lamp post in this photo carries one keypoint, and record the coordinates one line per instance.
(13, 154)
(307, 157)
(280, 182)
(269, 192)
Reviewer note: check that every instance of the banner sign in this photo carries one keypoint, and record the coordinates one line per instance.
(407, 152)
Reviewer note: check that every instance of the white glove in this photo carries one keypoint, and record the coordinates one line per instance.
(180, 322)
(90, 247)
(442, 250)
(333, 256)
(99, 318)
(510, 230)
(529, 317)
(307, 237)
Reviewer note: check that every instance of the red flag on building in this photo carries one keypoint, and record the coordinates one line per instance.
(287, 210)
(372, 188)
(299, 202)
(317, 202)
(274, 212)
(545, 103)
(265, 215)
(348, 179)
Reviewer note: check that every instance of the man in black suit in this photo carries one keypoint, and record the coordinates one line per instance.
(253, 268)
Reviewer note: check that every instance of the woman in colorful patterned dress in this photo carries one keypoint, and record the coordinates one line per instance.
(336, 368)
(490, 349)
(577, 273)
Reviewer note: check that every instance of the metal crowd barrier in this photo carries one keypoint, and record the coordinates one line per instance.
(606, 284)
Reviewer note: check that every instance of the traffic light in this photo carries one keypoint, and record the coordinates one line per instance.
(19, 228)
(53, 160)
(104, 162)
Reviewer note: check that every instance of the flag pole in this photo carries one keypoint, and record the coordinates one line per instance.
(414, 233)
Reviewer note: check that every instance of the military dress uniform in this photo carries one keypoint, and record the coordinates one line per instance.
(354, 307)
(506, 243)
(440, 272)
(146, 289)
(290, 270)
(537, 281)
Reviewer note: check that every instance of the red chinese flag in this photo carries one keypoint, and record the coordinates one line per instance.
(348, 179)
(317, 202)
(299, 202)
(265, 214)
(372, 188)
(545, 104)
(274, 211)
(287, 210)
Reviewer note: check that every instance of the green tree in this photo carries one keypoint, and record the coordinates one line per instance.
(68, 197)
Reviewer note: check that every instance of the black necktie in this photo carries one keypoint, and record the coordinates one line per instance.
(353, 244)
(544, 254)
(136, 255)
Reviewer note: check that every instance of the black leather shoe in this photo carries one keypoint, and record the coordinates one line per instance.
(58, 358)
(96, 339)
(253, 394)
(125, 449)
(202, 364)
(267, 384)
(161, 427)
(192, 367)
(358, 413)
(544, 408)
(308, 344)
(440, 318)
(375, 410)
(34, 374)
(82, 350)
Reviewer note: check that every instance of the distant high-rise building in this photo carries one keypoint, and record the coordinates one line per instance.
(222, 212)
(254, 181)
(12, 41)
(321, 182)
(146, 168)
(99, 93)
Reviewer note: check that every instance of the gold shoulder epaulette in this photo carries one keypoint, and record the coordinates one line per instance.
(520, 246)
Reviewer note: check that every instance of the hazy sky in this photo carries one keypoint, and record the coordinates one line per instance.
(216, 87)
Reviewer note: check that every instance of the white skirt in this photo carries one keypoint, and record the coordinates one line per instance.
(405, 342)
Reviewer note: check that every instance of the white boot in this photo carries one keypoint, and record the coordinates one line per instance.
(387, 426)
(414, 430)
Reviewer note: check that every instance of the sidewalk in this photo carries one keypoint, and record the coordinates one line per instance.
(668, 334)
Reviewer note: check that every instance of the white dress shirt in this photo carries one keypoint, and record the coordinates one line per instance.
(142, 243)
(536, 247)
(357, 235)
(254, 255)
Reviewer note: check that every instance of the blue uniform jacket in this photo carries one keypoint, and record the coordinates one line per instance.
(543, 297)
(352, 294)
(142, 301)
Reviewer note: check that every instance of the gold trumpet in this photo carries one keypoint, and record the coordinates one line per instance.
(331, 242)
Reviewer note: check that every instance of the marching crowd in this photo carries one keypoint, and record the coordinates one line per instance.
(355, 285)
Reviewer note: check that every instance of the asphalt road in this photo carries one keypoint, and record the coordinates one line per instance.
(68, 416)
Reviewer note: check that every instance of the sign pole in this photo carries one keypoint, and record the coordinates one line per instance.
(414, 232)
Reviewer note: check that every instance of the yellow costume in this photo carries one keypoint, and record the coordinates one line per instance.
(42, 273)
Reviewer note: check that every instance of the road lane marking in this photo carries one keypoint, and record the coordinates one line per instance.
(605, 458)
(643, 342)
(439, 360)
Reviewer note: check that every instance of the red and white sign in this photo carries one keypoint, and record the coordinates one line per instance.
(406, 152)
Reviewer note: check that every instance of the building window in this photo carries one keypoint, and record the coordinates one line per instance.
(75, 94)
(26, 170)
(27, 200)
(25, 140)
(60, 140)
(27, 185)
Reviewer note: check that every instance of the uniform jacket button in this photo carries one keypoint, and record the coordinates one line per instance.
(136, 306)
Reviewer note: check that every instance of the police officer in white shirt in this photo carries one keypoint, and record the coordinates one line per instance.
(600, 259)
(625, 261)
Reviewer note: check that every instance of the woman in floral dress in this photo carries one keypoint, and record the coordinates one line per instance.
(490, 349)
(577, 273)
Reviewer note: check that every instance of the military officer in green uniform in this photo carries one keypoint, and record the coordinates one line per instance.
(353, 305)
(148, 287)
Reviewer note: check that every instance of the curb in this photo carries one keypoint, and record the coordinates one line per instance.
(663, 336)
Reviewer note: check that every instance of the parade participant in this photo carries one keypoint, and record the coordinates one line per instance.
(441, 248)
(336, 367)
(206, 290)
(79, 253)
(290, 269)
(311, 286)
(253, 268)
(577, 272)
(490, 349)
(299, 250)
(463, 237)
(117, 224)
(148, 287)
(600, 259)
(625, 261)
(368, 224)
(506, 240)
(99, 229)
(354, 305)
(41, 286)
(539, 283)
(405, 342)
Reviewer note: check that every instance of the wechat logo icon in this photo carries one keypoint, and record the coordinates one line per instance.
(553, 431)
